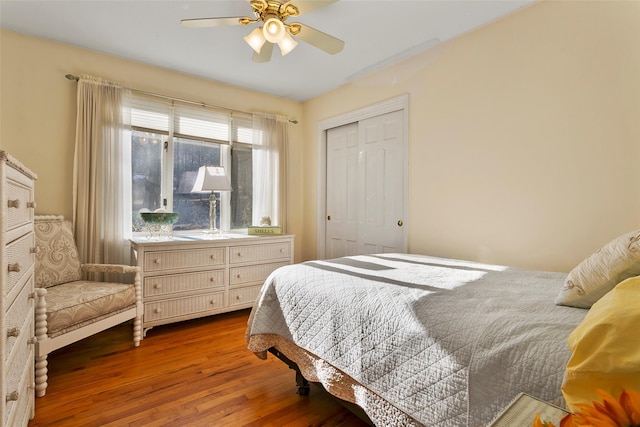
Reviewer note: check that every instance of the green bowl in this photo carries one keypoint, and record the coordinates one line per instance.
(162, 218)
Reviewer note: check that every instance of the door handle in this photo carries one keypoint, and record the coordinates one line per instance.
(400, 223)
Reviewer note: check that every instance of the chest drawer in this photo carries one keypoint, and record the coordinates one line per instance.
(178, 259)
(252, 273)
(18, 321)
(154, 311)
(20, 395)
(264, 252)
(244, 296)
(185, 282)
(20, 259)
(20, 204)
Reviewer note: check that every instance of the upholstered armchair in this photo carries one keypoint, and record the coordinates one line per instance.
(69, 307)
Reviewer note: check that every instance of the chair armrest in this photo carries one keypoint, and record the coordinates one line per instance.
(110, 268)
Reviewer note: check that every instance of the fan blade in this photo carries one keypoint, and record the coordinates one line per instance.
(320, 40)
(211, 22)
(265, 53)
(306, 6)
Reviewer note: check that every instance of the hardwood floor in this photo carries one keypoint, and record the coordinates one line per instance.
(195, 373)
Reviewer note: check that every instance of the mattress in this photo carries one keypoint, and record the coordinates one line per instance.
(442, 342)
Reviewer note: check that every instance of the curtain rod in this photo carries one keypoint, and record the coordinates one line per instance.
(157, 95)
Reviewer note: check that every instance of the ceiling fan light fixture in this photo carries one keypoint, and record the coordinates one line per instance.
(287, 44)
(273, 30)
(255, 39)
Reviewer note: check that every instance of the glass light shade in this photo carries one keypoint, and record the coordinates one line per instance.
(273, 30)
(287, 44)
(256, 39)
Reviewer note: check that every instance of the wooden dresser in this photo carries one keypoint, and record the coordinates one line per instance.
(16, 314)
(191, 276)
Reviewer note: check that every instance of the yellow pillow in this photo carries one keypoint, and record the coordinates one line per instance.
(606, 347)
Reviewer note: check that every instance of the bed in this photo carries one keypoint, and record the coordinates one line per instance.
(418, 340)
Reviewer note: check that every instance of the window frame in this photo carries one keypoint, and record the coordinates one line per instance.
(238, 127)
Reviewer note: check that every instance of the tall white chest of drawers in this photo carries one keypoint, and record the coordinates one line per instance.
(191, 276)
(16, 312)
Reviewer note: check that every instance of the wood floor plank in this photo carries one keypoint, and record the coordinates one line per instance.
(195, 373)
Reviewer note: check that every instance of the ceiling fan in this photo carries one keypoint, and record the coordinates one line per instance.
(271, 15)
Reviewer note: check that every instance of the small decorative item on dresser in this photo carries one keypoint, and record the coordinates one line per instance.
(264, 230)
(159, 224)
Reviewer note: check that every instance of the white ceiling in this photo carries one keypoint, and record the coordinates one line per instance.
(376, 34)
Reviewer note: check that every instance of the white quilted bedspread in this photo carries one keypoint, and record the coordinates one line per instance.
(448, 342)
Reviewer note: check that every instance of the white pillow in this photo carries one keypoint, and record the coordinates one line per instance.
(602, 271)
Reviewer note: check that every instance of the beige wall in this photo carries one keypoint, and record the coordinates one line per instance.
(37, 111)
(524, 139)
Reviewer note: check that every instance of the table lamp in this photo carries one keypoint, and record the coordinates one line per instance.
(211, 178)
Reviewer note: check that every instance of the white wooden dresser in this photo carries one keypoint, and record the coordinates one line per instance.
(16, 313)
(194, 275)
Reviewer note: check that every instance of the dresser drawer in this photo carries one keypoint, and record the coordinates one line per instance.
(185, 282)
(244, 296)
(20, 259)
(20, 395)
(252, 273)
(263, 252)
(187, 258)
(20, 204)
(154, 311)
(19, 321)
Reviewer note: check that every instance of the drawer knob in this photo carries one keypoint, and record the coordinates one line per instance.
(33, 340)
(157, 260)
(213, 257)
(238, 297)
(156, 286)
(212, 279)
(281, 250)
(33, 250)
(157, 311)
(238, 276)
(13, 332)
(239, 254)
(31, 205)
(13, 396)
(213, 302)
(15, 203)
(14, 267)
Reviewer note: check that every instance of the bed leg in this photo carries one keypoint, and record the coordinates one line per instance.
(303, 384)
(301, 381)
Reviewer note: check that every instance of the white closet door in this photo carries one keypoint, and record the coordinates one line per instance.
(382, 184)
(366, 187)
(342, 191)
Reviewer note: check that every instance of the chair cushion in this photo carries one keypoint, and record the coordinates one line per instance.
(57, 259)
(82, 302)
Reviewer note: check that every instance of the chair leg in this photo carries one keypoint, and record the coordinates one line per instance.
(137, 331)
(41, 375)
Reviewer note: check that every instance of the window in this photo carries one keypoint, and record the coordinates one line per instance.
(169, 143)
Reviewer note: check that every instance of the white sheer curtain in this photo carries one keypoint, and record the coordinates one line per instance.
(270, 134)
(101, 182)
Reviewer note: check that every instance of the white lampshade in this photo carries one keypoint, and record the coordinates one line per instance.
(211, 178)
(256, 39)
(273, 30)
(287, 44)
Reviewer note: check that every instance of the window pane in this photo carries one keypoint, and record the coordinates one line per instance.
(242, 182)
(146, 173)
(188, 156)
